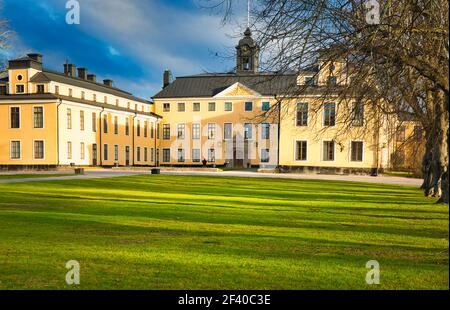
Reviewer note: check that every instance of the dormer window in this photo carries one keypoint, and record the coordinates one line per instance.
(19, 77)
(20, 89)
(309, 81)
(40, 88)
(332, 81)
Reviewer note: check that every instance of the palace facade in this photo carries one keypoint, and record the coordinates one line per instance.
(244, 118)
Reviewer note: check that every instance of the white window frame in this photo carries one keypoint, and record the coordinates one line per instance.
(10, 149)
(224, 136)
(295, 150)
(350, 153)
(334, 150)
(43, 149)
(10, 119)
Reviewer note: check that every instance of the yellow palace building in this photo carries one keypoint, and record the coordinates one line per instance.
(50, 119)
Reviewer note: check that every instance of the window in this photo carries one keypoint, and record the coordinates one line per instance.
(116, 125)
(145, 154)
(152, 130)
(265, 155)
(81, 120)
(211, 131)
(181, 107)
(70, 92)
(211, 106)
(357, 151)
(195, 131)
(265, 106)
(248, 134)
(105, 151)
(196, 155)
(117, 102)
(3, 90)
(309, 81)
(157, 131)
(94, 97)
(105, 99)
(166, 155)
(265, 131)
(127, 127)
(38, 117)
(328, 150)
(166, 131)
(211, 155)
(301, 150)
(20, 89)
(166, 107)
(196, 107)
(181, 155)
(38, 149)
(40, 88)
(69, 150)
(82, 150)
(417, 133)
(228, 106)
(138, 153)
(330, 114)
(116, 152)
(15, 117)
(82, 95)
(135, 107)
(138, 128)
(228, 131)
(69, 118)
(152, 154)
(105, 124)
(248, 106)
(57, 89)
(180, 131)
(358, 114)
(331, 81)
(401, 134)
(302, 114)
(145, 129)
(94, 122)
(15, 149)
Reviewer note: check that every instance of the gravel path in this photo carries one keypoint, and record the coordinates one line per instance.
(95, 174)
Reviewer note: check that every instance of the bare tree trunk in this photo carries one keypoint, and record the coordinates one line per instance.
(439, 166)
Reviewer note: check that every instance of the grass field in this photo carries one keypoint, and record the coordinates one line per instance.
(180, 232)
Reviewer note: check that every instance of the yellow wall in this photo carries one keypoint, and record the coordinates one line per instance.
(27, 134)
(238, 116)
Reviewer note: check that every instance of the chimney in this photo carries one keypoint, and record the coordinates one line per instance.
(92, 78)
(82, 73)
(69, 70)
(36, 57)
(167, 78)
(108, 83)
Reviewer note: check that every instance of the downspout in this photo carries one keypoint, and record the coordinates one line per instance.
(57, 133)
(100, 140)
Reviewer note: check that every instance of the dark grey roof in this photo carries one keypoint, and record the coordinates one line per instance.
(47, 75)
(209, 85)
(49, 96)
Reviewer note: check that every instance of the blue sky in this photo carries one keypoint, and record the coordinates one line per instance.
(129, 41)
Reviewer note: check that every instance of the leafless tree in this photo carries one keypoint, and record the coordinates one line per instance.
(397, 63)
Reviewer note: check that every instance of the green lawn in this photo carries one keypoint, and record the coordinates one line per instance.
(179, 232)
(30, 176)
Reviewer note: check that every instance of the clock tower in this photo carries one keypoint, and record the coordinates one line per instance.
(247, 54)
